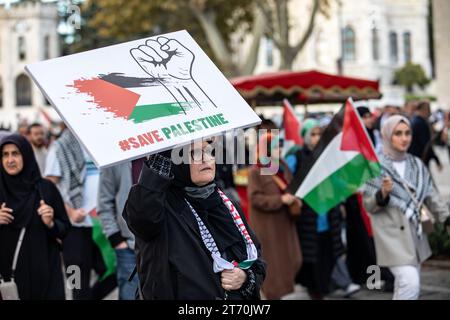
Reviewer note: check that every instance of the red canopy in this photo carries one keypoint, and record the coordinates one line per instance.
(303, 87)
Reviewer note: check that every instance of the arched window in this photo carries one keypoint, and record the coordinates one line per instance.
(22, 48)
(269, 52)
(407, 46)
(348, 44)
(1, 93)
(393, 46)
(375, 45)
(23, 91)
(46, 47)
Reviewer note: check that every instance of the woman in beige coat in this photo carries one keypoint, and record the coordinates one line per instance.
(400, 242)
(273, 224)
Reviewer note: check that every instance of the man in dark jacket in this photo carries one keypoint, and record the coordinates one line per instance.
(173, 259)
(421, 145)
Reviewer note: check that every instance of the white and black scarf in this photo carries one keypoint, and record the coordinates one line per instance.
(220, 264)
(417, 178)
(73, 167)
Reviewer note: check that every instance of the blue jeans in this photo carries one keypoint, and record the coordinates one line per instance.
(126, 261)
(340, 276)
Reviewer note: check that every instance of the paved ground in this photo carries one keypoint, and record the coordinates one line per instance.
(435, 286)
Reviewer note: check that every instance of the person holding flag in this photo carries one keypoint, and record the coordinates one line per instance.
(319, 234)
(395, 201)
(341, 162)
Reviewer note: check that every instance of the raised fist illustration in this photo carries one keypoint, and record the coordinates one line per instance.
(163, 58)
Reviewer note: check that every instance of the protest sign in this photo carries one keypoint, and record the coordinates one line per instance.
(140, 97)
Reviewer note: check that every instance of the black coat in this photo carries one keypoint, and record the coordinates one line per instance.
(172, 260)
(39, 273)
(360, 246)
(309, 237)
(421, 145)
(307, 222)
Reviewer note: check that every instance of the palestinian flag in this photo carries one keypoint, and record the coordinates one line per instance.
(291, 124)
(103, 244)
(343, 161)
(123, 97)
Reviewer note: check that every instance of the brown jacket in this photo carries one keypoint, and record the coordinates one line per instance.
(276, 230)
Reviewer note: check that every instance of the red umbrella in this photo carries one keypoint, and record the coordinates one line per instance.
(303, 87)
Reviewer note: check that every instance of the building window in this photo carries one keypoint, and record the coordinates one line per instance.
(393, 47)
(23, 91)
(269, 52)
(46, 47)
(375, 45)
(348, 44)
(1, 94)
(22, 48)
(407, 46)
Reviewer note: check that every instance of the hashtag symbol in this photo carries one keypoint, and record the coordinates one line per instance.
(124, 145)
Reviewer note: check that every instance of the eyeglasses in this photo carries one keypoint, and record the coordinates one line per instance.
(203, 154)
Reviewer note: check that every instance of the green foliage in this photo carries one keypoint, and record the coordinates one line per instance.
(440, 241)
(113, 21)
(414, 97)
(411, 74)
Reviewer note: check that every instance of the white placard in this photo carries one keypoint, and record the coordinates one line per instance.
(141, 97)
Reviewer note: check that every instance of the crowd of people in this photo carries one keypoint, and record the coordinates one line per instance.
(160, 230)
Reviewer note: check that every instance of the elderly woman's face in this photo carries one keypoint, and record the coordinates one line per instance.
(401, 137)
(12, 159)
(203, 165)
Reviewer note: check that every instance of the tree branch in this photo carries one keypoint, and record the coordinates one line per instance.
(252, 57)
(283, 22)
(215, 38)
(269, 25)
(309, 29)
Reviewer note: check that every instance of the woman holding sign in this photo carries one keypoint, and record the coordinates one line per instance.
(395, 202)
(32, 219)
(191, 241)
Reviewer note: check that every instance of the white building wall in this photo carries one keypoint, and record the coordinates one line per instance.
(33, 22)
(324, 47)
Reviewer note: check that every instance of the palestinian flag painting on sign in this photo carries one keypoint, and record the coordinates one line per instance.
(122, 96)
(342, 162)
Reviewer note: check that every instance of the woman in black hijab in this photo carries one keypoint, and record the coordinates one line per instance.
(31, 202)
(191, 240)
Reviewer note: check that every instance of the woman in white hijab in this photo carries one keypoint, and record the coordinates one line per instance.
(394, 201)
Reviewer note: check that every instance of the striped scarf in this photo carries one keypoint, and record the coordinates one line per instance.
(73, 168)
(220, 264)
(418, 180)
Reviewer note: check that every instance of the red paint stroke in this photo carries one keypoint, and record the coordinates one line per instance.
(108, 96)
